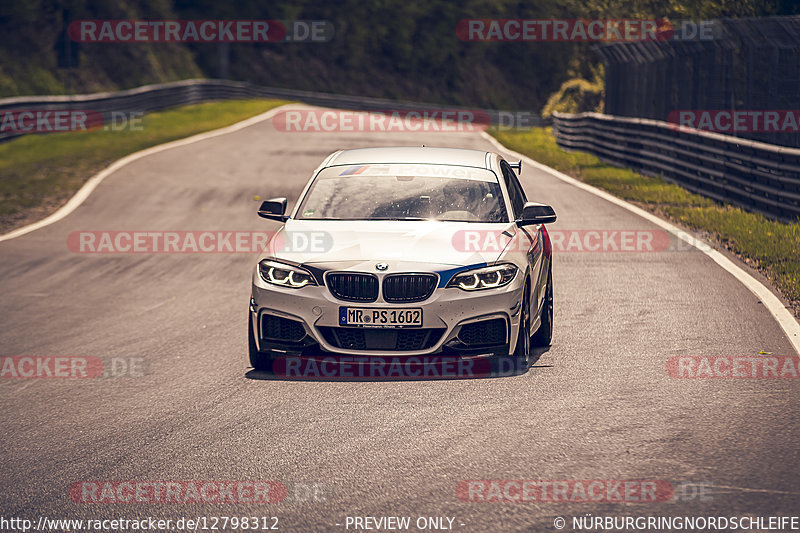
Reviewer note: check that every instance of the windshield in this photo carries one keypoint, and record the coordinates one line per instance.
(463, 195)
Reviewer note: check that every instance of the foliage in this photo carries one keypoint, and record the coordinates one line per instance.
(392, 48)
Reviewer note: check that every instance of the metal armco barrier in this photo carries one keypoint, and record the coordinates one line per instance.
(755, 176)
(729, 64)
(162, 96)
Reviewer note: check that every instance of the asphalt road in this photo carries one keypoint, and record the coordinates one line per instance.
(598, 405)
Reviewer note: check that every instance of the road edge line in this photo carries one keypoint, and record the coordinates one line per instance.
(91, 184)
(779, 312)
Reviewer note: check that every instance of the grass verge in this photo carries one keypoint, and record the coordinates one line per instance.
(39, 173)
(771, 247)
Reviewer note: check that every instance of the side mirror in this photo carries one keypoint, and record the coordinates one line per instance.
(273, 209)
(517, 167)
(534, 213)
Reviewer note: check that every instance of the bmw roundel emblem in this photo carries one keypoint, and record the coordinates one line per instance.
(381, 266)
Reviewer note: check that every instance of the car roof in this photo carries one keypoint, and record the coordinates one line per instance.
(410, 154)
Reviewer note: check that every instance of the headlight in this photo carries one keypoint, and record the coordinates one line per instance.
(484, 278)
(285, 275)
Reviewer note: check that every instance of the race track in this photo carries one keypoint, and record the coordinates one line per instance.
(598, 405)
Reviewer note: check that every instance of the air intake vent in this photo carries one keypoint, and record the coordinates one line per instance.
(276, 328)
(404, 340)
(485, 333)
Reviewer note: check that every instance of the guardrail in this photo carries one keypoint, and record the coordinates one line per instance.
(162, 96)
(755, 176)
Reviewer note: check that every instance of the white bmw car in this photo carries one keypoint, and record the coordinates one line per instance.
(406, 251)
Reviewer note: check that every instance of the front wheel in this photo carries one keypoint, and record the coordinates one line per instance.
(258, 360)
(544, 335)
(523, 348)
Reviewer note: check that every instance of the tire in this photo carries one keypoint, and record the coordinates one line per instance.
(544, 335)
(522, 351)
(258, 360)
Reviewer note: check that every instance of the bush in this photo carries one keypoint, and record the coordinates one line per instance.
(577, 95)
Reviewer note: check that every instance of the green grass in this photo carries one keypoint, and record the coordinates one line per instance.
(39, 173)
(772, 247)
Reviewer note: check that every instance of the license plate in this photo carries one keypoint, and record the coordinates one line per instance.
(376, 317)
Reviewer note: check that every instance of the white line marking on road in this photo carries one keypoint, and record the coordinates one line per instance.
(779, 311)
(743, 489)
(84, 192)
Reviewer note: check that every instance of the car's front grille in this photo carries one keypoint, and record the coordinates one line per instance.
(353, 287)
(402, 340)
(276, 328)
(408, 287)
(483, 333)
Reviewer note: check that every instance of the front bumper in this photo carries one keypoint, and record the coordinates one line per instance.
(454, 322)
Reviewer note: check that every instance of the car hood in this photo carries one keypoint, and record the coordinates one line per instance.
(400, 244)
